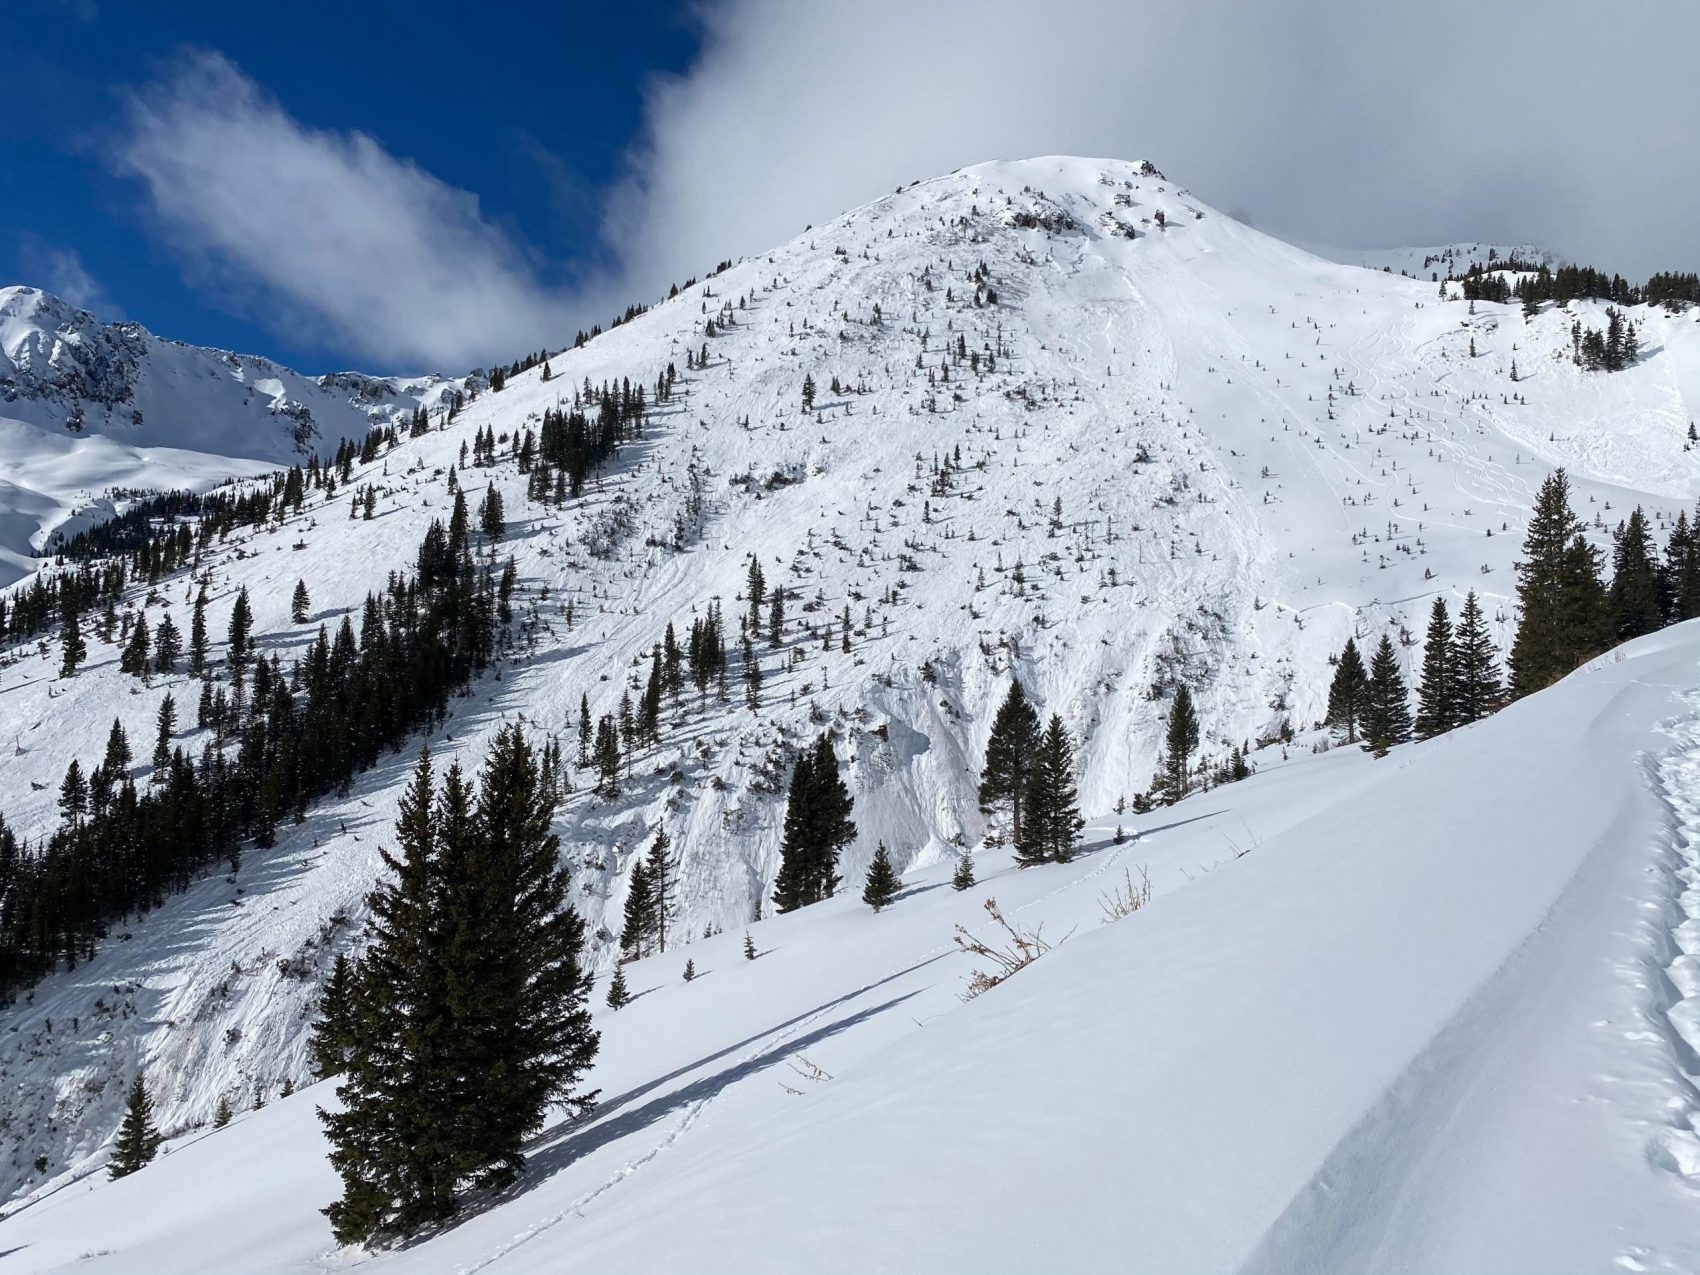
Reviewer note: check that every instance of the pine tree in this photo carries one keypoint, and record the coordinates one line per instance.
(517, 992)
(1009, 756)
(198, 634)
(118, 754)
(750, 952)
(240, 642)
(618, 993)
(1634, 592)
(817, 828)
(333, 1031)
(1564, 613)
(963, 877)
(881, 887)
(221, 1116)
(1053, 823)
(138, 1139)
(1475, 675)
(1347, 692)
(134, 658)
(808, 393)
(640, 910)
(167, 644)
(165, 725)
(75, 650)
(690, 970)
(1437, 710)
(300, 604)
(1179, 742)
(660, 867)
(1387, 712)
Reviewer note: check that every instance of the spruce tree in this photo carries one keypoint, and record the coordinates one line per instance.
(1387, 711)
(134, 658)
(1053, 823)
(300, 604)
(963, 877)
(817, 827)
(118, 755)
(167, 643)
(881, 886)
(198, 634)
(690, 970)
(1179, 742)
(1475, 677)
(1437, 710)
(660, 866)
(1347, 691)
(1634, 592)
(333, 1031)
(618, 993)
(221, 1115)
(640, 910)
(74, 650)
(1564, 618)
(1009, 757)
(138, 1139)
(750, 952)
(241, 629)
(165, 724)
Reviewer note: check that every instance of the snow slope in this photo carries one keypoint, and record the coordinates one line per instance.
(1257, 452)
(1357, 1029)
(87, 407)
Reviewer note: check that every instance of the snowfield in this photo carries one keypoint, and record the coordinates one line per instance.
(1345, 1050)
(1379, 1016)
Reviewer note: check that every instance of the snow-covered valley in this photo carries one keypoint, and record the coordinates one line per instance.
(1072, 425)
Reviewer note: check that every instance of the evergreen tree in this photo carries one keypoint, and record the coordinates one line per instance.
(1179, 742)
(640, 910)
(1634, 592)
(198, 634)
(74, 650)
(1564, 617)
(963, 877)
(808, 393)
(334, 1030)
(118, 754)
(660, 870)
(1347, 692)
(165, 725)
(881, 886)
(138, 1139)
(1475, 674)
(1053, 822)
(167, 644)
(750, 952)
(618, 993)
(241, 630)
(817, 828)
(1437, 708)
(1387, 711)
(299, 603)
(221, 1116)
(134, 658)
(1009, 756)
(690, 970)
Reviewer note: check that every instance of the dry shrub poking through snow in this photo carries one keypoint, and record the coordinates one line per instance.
(1023, 948)
(1127, 898)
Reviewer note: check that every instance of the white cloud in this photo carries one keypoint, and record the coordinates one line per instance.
(1331, 121)
(61, 271)
(327, 233)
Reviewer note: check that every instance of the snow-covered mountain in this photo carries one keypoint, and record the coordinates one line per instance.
(91, 410)
(1071, 423)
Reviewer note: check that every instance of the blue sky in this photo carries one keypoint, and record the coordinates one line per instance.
(536, 126)
(392, 187)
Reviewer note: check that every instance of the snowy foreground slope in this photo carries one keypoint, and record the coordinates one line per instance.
(86, 407)
(1257, 453)
(1426, 1013)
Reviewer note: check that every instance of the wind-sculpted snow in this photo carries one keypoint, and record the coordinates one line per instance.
(1194, 452)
